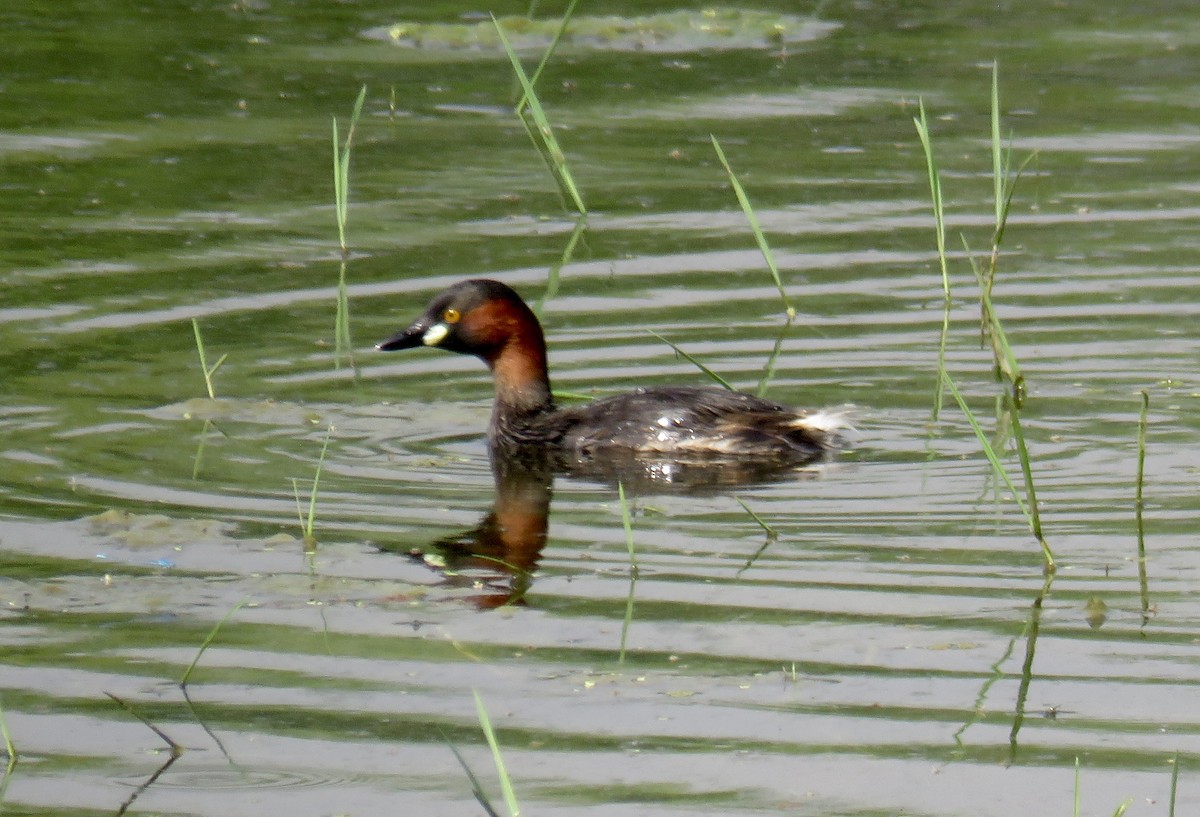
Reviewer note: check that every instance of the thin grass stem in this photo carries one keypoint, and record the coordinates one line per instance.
(550, 49)
(772, 361)
(755, 227)
(716, 377)
(1029, 506)
(1174, 785)
(1030, 492)
(176, 749)
(341, 192)
(208, 372)
(208, 640)
(506, 787)
(935, 192)
(9, 749)
(542, 134)
(988, 450)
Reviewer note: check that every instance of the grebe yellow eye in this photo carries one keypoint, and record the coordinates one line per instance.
(451, 315)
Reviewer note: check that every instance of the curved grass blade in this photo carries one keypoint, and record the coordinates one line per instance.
(935, 192)
(550, 49)
(542, 134)
(506, 787)
(208, 371)
(9, 749)
(755, 227)
(208, 640)
(1031, 516)
(716, 377)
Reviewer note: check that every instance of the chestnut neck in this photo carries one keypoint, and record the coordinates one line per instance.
(520, 376)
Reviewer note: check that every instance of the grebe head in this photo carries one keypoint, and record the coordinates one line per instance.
(488, 320)
(477, 317)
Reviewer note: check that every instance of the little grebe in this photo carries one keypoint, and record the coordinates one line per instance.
(489, 320)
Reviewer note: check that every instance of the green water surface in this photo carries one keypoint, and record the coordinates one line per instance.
(893, 648)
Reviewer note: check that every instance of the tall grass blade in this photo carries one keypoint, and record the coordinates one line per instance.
(341, 193)
(550, 49)
(341, 168)
(506, 787)
(755, 227)
(1030, 492)
(542, 134)
(308, 522)
(716, 377)
(772, 361)
(935, 192)
(999, 170)
(208, 640)
(1028, 509)
(208, 372)
(1002, 351)
(9, 750)
(1174, 785)
(176, 749)
(988, 450)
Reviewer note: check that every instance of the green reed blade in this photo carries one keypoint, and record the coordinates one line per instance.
(208, 371)
(1002, 351)
(755, 227)
(988, 451)
(312, 499)
(772, 361)
(772, 534)
(208, 640)
(550, 49)
(935, 192)
(9, 749)
(1030, 493)
(485, 723)
(176, 749)
(716, 377)
(1174, 785)
(999, 170)
(544, 139)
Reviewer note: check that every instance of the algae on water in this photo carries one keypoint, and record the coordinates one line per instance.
(669, 32)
